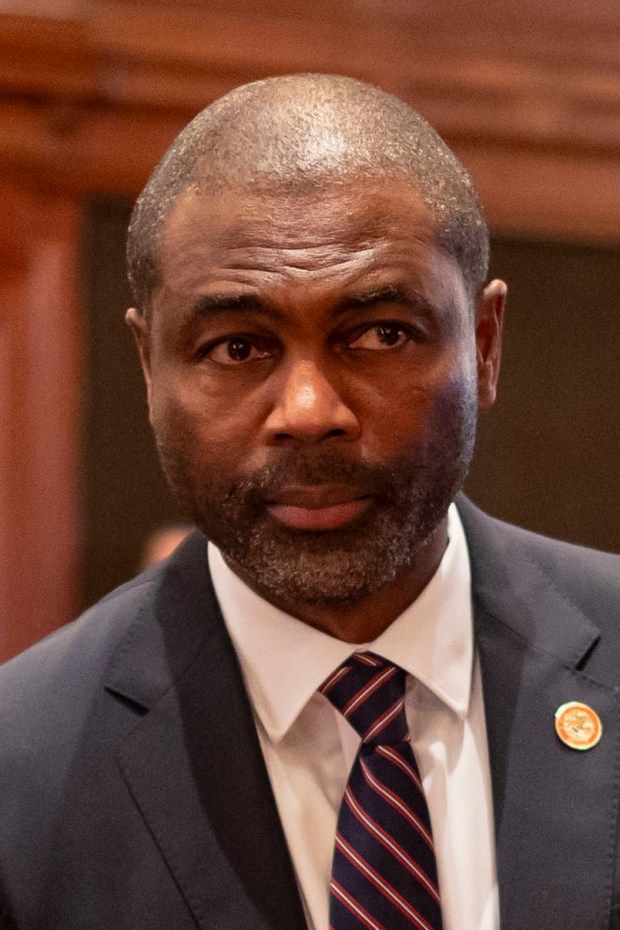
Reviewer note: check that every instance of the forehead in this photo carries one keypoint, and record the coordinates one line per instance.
(348, 211)
(336, 236)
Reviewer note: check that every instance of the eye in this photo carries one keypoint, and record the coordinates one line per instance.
(235, 350)
(381, 336)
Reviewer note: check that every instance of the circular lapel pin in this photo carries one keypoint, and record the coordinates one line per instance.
(578, 725)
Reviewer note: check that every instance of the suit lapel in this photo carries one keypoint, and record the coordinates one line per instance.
(555, 808)
(194, 764)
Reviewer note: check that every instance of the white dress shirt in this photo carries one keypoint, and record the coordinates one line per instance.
(309, 747)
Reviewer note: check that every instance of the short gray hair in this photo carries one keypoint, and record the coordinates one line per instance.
(300, 132)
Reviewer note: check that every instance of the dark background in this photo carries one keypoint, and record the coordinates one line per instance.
(547, 453)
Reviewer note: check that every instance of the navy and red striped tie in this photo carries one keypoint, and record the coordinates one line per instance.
(384, 875)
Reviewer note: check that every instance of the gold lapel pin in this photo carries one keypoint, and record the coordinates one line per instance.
(578, 725)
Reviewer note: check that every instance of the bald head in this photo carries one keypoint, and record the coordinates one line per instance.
(301, 133)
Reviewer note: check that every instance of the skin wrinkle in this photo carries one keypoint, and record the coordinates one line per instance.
(275, 261)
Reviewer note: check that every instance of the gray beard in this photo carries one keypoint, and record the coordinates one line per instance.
(338, 567)
(410, 497)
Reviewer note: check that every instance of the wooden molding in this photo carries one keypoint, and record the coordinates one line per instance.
(94, 103)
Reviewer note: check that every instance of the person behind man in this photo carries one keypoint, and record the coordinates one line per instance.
(362, 704)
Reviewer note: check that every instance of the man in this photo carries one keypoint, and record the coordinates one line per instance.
(317, 333)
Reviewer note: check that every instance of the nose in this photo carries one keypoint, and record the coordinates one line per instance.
(309, 408)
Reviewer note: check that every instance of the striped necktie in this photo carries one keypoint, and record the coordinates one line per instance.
(384, 875)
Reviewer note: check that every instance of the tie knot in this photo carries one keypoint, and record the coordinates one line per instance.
(370, 693)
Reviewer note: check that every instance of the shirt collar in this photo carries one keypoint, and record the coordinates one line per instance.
(284, 661)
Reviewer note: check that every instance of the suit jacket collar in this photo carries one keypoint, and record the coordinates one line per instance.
(555, 808)
(194, 764)
(511, 586)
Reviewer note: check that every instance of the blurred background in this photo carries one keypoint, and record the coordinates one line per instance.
(92, 93)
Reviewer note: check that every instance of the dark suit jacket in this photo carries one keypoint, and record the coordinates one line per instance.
(133, 793)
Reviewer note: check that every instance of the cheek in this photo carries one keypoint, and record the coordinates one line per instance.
(422, 417)
(413, 395)
(178, 424)
(200, 433)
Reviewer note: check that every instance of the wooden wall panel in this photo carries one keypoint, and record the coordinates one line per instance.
(40, 350)
(545, 192)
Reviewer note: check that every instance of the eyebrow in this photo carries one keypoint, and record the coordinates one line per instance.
(221, 304)
(391, 293)
(214, 305)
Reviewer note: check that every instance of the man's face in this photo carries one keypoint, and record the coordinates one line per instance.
(314, 368)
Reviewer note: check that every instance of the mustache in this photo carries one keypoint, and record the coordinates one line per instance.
(385, 481)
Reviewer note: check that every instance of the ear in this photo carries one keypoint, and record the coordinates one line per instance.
(138, 323)
(489, 322)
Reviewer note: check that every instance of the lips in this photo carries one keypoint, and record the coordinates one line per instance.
(318, 507)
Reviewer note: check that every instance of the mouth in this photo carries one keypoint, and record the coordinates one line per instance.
(318, 507)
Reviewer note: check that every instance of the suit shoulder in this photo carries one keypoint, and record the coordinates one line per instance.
(72, 658)
(482, 523)
(587, 575)
(60, 673)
